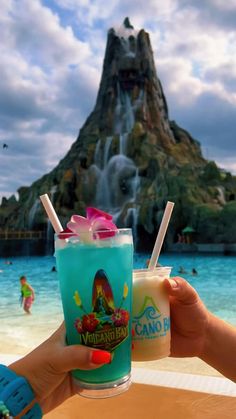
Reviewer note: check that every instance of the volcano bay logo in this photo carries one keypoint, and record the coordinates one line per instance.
(106, 326)
(149, 323)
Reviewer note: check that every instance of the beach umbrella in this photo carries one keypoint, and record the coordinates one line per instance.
(188, 234)
(188, 230)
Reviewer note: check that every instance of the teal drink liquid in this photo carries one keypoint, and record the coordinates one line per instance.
(96, 290)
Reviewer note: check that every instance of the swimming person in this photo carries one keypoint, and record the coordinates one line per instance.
(27, 294)
(182, 270)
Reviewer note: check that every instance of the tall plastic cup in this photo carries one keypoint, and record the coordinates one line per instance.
(150, 315)
(96, 291)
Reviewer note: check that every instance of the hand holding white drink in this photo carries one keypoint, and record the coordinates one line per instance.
(151, 308)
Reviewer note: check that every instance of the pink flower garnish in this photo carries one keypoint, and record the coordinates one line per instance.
(97, 223)
(66, 234)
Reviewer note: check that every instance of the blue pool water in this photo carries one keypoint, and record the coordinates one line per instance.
(215, 283)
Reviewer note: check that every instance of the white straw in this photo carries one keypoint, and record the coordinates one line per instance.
(51, 213)
(161, 235)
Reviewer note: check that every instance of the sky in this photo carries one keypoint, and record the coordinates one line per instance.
(52, 54)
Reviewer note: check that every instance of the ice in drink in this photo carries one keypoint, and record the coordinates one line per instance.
(150, 315)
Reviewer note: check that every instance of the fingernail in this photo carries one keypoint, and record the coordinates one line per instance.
(173, 283)
(101, 357)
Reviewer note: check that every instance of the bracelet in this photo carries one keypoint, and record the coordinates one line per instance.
(4, 412)
(17, 397)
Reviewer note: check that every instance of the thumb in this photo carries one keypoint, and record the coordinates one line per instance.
(181, 290)
(82, 357)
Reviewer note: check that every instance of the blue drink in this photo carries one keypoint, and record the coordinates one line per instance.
(96, 290)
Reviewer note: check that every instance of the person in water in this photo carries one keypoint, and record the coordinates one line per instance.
(27, 294)
(182, 270)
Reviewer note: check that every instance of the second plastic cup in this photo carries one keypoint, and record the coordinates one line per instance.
(150, 315)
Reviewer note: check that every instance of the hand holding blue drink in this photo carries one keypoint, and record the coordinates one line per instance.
(94, 263)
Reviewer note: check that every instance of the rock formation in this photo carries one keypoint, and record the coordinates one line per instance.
(129, 159)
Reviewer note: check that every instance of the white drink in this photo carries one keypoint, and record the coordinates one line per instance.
(150, 315)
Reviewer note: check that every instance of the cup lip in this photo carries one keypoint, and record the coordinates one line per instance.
(112, 230)
(146, 270)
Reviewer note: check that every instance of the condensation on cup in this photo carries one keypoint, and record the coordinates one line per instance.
(150, 315)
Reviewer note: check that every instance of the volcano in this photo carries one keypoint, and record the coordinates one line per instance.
(129, 159)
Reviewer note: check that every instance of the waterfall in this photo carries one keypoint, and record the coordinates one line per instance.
(107, 150)
(129, 113)
(117, 119)
(117, 179)
(221, 195)
(132, 220)
(32, 213)
(124, 113)
(117, 184)
(140, 100)
(97, 154)
(133, 212)
(123, 143)
(103, 192)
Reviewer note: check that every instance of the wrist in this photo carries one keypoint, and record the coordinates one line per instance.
(211, 333)
(219, 347)
(206, 335)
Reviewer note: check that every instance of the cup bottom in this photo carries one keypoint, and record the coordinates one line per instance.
(104, 390)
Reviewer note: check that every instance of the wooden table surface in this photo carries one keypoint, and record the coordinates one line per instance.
(149, 402)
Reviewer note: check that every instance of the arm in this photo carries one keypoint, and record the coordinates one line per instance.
(32, 290)
(220, 347)
(47, 368)
(197, 332)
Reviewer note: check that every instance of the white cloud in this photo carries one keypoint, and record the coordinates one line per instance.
(40, 37)
(51, 64)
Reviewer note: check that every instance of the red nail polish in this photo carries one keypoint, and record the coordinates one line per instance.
(101, 357)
